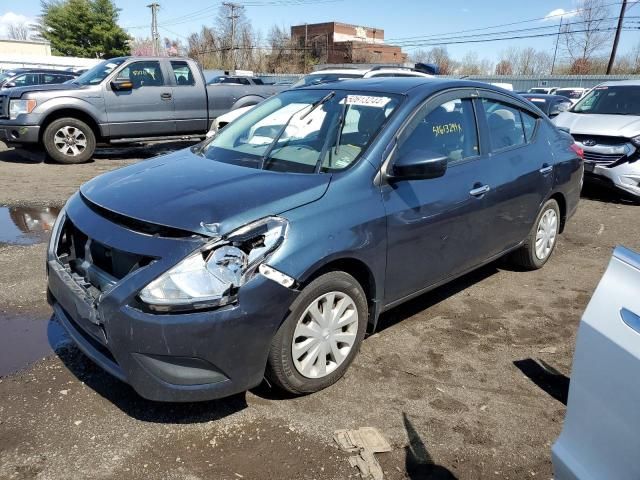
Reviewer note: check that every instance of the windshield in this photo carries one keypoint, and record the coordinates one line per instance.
(569, 93)
(317, 78)
(616, 100)
(98, 73)
(304, 131)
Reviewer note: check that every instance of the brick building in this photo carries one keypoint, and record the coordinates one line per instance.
(335, 42)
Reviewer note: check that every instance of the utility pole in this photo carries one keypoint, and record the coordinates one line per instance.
(616, 39)
(555, 52)
(155, 36)
(306, 33)
(233, 17)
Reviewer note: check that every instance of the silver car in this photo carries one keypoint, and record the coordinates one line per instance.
(606, 124)
(600, 438)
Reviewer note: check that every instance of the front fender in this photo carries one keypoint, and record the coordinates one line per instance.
(91, 106)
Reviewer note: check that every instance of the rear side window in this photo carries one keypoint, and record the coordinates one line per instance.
(143, 74)
(506, 129)
(182, 72)
(529, 123)
(55, 78)
(448, 130)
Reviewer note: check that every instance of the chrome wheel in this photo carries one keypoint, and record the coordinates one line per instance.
(324, 335)
(546, 234)
(70, 141)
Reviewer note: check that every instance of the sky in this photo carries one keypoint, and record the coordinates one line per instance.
(400, 19)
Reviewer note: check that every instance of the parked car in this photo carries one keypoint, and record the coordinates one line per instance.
(599, 437)
(606, 124)
(25, 77)
(272, 248)
(543, 90)
(235, 80)
(326, 76)
(121, 100)
(573, 94)
(551, 105)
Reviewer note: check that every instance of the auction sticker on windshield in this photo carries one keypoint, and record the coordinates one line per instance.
(367, 100)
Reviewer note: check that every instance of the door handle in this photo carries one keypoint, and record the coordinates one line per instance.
(478, 192)
(630, 319)
(546, 169)
(165, 96)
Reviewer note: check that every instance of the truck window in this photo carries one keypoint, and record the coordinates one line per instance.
(143, 74)
(27, 79)
(184, 75)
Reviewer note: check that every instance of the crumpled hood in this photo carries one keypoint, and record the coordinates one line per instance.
(593, 124)
(185, 191)
(17, 92)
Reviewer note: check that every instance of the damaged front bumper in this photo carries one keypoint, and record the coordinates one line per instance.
(616, 165)
(166, 357)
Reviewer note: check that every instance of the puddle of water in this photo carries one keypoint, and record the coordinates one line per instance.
(26, 339)
(26, 225)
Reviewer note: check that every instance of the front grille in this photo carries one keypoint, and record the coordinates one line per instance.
(603, 159)
(4, 106)
(93, 265)
(601, 139)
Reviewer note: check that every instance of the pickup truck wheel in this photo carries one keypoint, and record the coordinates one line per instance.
(69, 140)
(320, 338)
(541, 241)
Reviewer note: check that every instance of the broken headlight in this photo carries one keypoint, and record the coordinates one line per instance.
(211, 276)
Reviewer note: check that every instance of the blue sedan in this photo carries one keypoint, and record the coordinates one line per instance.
(272, 248)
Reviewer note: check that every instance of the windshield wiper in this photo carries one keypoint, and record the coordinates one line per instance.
(333, 149)
(267, 154)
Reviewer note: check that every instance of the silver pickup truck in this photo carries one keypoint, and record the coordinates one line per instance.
(121, 100)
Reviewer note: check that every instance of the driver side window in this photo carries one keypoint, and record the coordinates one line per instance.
(143, 74)
(449, 130)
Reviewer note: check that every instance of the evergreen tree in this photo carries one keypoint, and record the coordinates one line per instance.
(83, 28)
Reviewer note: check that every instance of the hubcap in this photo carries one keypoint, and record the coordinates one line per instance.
(324, 335)
(546, 234)
(70, 141)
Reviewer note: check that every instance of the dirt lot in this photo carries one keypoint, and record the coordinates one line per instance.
(452, 379)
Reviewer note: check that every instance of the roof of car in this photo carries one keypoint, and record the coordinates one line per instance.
(39, 70)
(545, 96)
(402, 85)
(623, 83)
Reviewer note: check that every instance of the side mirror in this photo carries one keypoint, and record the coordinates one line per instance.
(419, 165)
(9, 85)
(122, 85)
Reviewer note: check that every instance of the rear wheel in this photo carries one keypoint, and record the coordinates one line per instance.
(69, 140)
(541, 241)
(320, 338)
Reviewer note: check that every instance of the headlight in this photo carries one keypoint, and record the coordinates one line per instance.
(18, 107)
(211, 276)
(636, 141)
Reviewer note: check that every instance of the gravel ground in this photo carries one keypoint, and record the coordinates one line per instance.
(452, 378)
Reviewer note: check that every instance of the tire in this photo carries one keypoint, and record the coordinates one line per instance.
(528, 256)
(72, 136)
(285, 369)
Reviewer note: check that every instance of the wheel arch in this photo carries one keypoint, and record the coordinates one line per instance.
(562, 205)
(359, 270)
(71, 113)
(247, 101)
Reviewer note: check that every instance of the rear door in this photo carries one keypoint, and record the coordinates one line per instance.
(147, 109)
(521, 169)
(189, 98)
(600, 437)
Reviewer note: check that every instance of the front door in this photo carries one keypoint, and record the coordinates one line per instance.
(435, 226)
(145, 110)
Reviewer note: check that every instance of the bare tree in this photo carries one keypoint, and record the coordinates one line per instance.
(470, 64)
(504, 67)
(440, 57)
(585, 35)
(18, 31)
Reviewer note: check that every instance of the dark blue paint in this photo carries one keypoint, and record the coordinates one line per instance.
(409, 236)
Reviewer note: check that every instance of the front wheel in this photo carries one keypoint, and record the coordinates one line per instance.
(541, 241)
(320, 338)
(69, 140)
